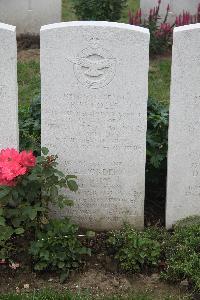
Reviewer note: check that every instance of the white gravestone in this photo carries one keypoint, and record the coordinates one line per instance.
(29, 15)
(176, 8)
(8, 87)
(183, 195)
(94, 111)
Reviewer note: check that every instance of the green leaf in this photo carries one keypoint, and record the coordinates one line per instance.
(61, 265)
(31, 212)
(54, 191)
(19, 230)
(85, 250)
(40, 159)
(4, 192)
(59, 173)
(44, 150)
(72, 185)
(5, 233)
(90, 234)
(64, 276)
(68, 177)
(1, 211)
(32, 177)
(40, 266)
(68, 202)
(2, 221)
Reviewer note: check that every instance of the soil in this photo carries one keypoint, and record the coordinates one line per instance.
(28, 55)
(28, 41)
(99, 276)
(94, 279)
(166, 54)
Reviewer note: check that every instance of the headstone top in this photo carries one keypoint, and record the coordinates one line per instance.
(95, 23)
(7, 27)
(187, 27)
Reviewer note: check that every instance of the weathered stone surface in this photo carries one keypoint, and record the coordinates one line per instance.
(8, 87)
(183, 196)
(176, 8)
(94, 106)
(29, 15)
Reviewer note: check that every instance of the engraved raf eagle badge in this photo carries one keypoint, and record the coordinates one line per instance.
(94, 67)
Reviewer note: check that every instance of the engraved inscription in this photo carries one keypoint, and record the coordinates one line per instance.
(94, 67)
(95, 119)
(2, 92)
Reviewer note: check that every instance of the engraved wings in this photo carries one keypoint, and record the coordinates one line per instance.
(93, 68)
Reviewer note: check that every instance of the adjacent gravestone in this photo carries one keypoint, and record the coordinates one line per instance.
(94, 111)
(183, 195)
(29, 15)
(8, 87)
(176, 8)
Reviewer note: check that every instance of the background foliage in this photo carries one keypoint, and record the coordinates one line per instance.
(99, 10)
(30, 126)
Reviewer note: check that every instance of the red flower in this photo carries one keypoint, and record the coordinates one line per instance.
(9, 155)
(14, 164)
(27, 159)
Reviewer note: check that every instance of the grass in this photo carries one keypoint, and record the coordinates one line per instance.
(51, 295)
(159, 79)
(67, 11)
(28, 80)
(133, 5)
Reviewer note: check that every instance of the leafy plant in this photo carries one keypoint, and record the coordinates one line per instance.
(186, 18)
(27, 187)
(161, 34)
(99, 10)
(183, 255)
(157, 133)
(161, 31)
(57, 248)
(134, 250)
(176, 253)
(156, 163)
(6, 246)
(30, 126)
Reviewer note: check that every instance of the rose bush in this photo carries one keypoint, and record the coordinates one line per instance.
(27, 186)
